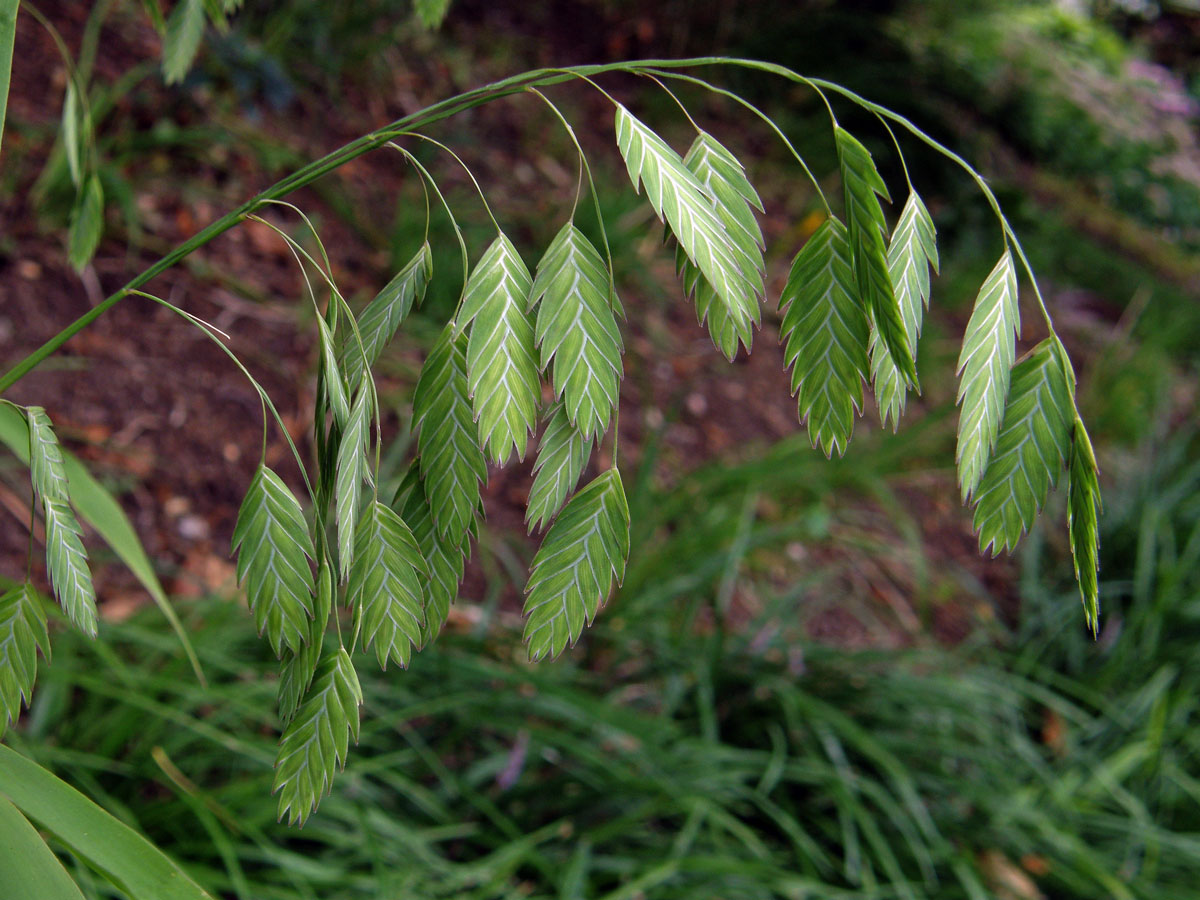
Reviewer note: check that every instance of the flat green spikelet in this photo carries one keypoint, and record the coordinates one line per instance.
(1031, 450)
(452, 464)
(22, 634)
(185, 28)
(984, 367)
(690, 211)
(825, 332)
(352, 471)
(46, 468)
(378, 322)
(67, 562)
(385, 588)
(298, 666)
(1083, 512)
(577, 329)
(563, 453)
(296, 671)
(502, 372)
(87, 224)
(333, 381)
(735, 201)
(867, 229)
(583, 553)
(315, 743)
(728, 331)
(445, 556)
(911, 253)
(273, 548)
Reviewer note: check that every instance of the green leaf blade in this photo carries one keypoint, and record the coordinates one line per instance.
(8, 36)
(502, 372)
(138, 868)
(273, 548)
(87, 224)
(30, 867)
(1031, 450)
(563, 453)
(825, 332)
(22, 634)
(984, 368)
(452, 464)
(315, 743)
(577, 330)
(385, 585)
(573, 572)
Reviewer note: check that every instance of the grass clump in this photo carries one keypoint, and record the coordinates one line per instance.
(733, 761)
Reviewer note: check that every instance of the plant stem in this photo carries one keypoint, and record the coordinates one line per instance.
(436, 113)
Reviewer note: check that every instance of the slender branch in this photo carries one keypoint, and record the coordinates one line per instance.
(444, 110)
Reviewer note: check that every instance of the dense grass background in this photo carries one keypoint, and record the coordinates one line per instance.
(674, 759)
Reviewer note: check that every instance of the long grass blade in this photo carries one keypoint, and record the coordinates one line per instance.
(8, 35)
(30, 867)
(127, 859)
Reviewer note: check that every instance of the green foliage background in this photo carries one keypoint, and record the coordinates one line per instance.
(683, 749)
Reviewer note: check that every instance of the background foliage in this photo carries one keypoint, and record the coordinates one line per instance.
(798, 691)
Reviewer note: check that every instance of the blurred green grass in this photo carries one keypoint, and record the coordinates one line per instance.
(672, 756)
